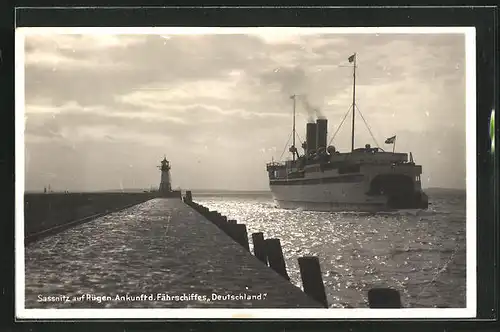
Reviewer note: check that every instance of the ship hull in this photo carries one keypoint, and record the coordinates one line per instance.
(331, 206)
(334, 197)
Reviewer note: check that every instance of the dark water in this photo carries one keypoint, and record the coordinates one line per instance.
(420, 253)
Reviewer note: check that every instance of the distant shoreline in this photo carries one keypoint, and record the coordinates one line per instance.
(198, 191)
(224, 191)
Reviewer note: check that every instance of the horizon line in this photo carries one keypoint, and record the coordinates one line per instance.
(215, 190)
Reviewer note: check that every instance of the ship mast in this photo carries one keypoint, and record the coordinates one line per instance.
(352, 58)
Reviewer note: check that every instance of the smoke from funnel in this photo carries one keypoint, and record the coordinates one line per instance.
(292, 80)
(312, 112)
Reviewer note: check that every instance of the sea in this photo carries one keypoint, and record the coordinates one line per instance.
(421, 253)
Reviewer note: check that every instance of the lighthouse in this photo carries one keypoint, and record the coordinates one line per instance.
(165, 189)
(165, 184)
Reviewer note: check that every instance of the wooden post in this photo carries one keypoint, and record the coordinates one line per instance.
(238, 232)
(259, 247)
(212, 216)
(312, 281)
(275, 257)
(216, 218)
(222, 223)
(384, 298)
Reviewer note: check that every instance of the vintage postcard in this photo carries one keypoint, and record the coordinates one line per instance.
(245, 172)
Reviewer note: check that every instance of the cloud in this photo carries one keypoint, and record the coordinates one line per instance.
(54, 52)
(206, 98)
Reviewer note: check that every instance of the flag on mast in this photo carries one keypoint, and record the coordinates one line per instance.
(351, 58)
(390, 140)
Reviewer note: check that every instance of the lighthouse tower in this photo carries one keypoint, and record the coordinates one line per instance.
(165, 185)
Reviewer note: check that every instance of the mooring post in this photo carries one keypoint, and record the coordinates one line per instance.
(384, 298)
(275, 257)
(312, 281)
(218, 219)
(189, 196)
(212, 216)
(222, 223)
(259, 247)
(239, 234)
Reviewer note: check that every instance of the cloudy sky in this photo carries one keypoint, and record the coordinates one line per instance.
(102, 110)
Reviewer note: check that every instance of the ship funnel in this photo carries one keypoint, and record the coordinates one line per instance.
(321, 130)
(310, 137)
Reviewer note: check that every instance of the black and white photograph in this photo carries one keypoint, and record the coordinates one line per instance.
(245, 172)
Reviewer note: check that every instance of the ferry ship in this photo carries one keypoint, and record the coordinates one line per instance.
(364, 179)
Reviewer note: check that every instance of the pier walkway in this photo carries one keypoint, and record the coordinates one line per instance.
(157, 254)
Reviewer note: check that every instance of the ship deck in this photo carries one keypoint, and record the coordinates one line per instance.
(161, 246)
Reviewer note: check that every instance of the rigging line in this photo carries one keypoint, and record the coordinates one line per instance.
(300, 139)
(286, 145)
(367, 126)
(340, 125)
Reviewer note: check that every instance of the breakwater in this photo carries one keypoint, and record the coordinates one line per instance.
(270, 253)
(157, 254)
(46, 214)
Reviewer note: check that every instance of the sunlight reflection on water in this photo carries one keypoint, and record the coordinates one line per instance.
(405, 249)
